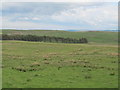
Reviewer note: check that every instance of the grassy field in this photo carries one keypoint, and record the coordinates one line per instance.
(58, 65)
(53, 65)
(97, 37)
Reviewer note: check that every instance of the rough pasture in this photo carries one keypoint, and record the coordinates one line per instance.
(52, 65)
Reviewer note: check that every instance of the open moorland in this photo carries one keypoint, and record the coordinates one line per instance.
(98, 37)
(28, 64)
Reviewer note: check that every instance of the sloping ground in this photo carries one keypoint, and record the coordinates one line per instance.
(93, 37)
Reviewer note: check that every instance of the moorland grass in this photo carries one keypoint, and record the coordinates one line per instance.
(52, 65)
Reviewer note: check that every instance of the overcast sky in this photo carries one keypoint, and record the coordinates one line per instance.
(60, 15)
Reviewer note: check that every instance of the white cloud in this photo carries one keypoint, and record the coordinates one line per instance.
(72, 16)
(35, 18)
(95, 16)
(28, 18)
(27, 25)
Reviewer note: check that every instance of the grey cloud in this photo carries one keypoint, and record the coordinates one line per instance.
(42, 8)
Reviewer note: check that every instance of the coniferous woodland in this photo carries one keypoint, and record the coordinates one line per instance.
(43, 38)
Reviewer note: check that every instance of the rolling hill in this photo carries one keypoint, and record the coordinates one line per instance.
(100, 37)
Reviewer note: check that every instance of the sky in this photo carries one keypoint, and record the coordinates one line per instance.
(60, 15)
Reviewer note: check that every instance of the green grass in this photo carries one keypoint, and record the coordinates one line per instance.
(53, 65)
(99, 37)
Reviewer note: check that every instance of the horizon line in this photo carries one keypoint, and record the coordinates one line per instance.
(59, 29)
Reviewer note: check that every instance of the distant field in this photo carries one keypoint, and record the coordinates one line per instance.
(53, 65)
(99, 37)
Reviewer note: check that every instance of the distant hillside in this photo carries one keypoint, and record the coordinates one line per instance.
(102, 37)
(94, 30)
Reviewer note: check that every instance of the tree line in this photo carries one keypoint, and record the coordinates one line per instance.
(43, 38)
